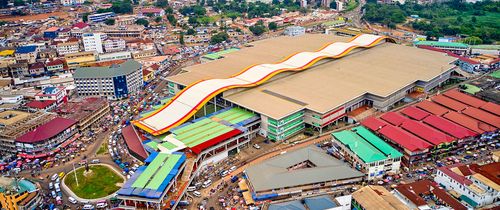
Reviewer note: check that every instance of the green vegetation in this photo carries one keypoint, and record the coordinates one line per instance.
(142, 21)
(122, 7)
(161, 3)
(451, 18)
(110, 22)
(158, 19)
(272, 26)
(258, 29)
(171, 19)
(103, 149)
(219, 37)
(85, 17)
(351, 4)
(102, 182)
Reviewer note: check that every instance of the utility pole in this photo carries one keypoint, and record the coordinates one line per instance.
(74, 171)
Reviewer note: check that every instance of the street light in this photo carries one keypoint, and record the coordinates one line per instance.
(74, 171)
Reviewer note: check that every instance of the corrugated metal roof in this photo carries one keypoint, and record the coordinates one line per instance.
(125, 68)
(47, 130)
(367, 152)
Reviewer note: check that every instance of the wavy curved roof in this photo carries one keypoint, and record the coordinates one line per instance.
(192, 98)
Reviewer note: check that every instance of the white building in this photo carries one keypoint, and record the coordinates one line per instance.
(51, 93)
(71, 2)
(114, 45)
(93, 42)
(367, 152)
(115, 56)
(294, 31)
(477, 185)
(67, 48)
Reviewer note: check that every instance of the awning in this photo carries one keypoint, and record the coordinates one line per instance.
(454, 193)
(248, 198)
(468, 200)
(243, 185)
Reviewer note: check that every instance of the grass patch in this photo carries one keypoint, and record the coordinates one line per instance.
(103, 149)
(102, 182)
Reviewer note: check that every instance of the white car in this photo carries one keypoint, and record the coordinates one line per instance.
(197, 194)
(72, 200)
(256, 146)
(95, 161)
(88, 206)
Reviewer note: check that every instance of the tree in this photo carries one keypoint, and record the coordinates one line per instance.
(158, 19)
(193, 21)
(181, 39)
(169, 10)
(190, 32)
(122, 7)
(472, 40)
(161, 3)
(142, 21)
(110, 22)
(474, 19)
(219, 38)
(171, 19)
(4, 3)
(333, 5)
(257, 30)
(276, 2)
(19, 3)
(272, 26)
(85, 17)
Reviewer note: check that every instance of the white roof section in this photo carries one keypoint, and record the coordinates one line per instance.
(187, 102)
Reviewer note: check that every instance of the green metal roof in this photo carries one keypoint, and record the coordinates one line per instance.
(472, 89)
(218, 55)
(496, 74)
(359, 146)
(377, 142)
(124, 68)
(441, 44)
(486, 47)
(468, 200)
(156, 171)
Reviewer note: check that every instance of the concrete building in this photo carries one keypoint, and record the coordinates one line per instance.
(114, 56)
(114, 82)
(51, 93)
(373, 197)
(367, 152)
(476, 185)
(294, 31)
(67, 48)
(114, 45)
(290, 102)
(100, 17)
(300, 172)
(93, 42)
(86, 111)
(28, 53)
(426, 194)
(71, 2)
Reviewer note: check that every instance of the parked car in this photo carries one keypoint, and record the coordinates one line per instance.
(88, 207)
(197, 194)
(256, 146)
(72, 200)
(95, 161)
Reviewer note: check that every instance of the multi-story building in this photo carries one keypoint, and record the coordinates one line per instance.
(416, 196)
(113, 82)
(114, 45)
(93, 42)
(16, 123)
(67, 48)
(115, 56)
(47, 137)
(80, 58)
(36, 69)
(156, 12)
(101, 17)
(57, 94)
(124, 31)
(477, 185)
(294, 31)
(56, 65)
(71, 2)
(86, 111)
(28, 53)
(373, 197)
(367, 152)
(143, 54)
(18, 70)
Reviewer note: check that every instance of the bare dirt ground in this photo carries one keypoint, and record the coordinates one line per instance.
(34, 17)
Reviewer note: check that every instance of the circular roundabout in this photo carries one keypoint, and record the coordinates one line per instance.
(100, 181)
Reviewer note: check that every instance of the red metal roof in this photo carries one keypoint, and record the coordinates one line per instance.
(47, 130)
(492, 108)
(134, 143)
(490, 171)
(449, 127)
(80, 25)
(448, 102)
(40, 104)
(469, 122)
(415, 190)
(394, 118)
(457, 177)
(426, 132)
(200, 147)
(432, 108)
(465, 98)
(403, 138)
(151, 10)
(415, 113)
(483, 116)
(373, 123)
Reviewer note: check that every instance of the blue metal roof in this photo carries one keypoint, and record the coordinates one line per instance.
(319, 203)
(25, 49)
